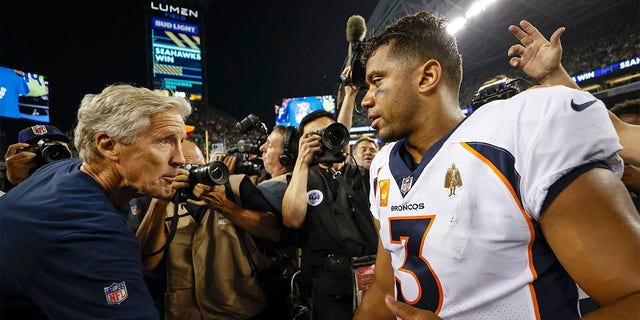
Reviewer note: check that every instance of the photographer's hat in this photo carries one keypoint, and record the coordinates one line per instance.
(33, 133)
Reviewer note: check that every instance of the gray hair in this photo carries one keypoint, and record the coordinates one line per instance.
(122, 111)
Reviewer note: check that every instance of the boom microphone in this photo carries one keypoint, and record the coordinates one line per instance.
(356, 31)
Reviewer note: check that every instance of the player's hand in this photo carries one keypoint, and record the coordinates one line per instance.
(535, 55)
(19, 164)
(407, 312)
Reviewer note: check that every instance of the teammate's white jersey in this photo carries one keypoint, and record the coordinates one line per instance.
(462, 228)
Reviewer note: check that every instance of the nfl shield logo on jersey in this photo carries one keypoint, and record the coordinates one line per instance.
(116, 293)
(406, 184)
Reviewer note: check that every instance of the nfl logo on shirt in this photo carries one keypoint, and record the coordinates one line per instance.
(406, 184)
(116, 293)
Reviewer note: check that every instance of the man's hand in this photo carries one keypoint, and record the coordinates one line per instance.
(351, 88)
(310, 144)
(536, 56)
(180, 182)
(407, 312)
(213, 196)
(19, 164)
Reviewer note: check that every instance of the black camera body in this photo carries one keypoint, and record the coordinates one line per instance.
(246, 164)
(47, 151)
(335, 138)
(497, 90)
(248, 150)
(358, 70)
(212, 173)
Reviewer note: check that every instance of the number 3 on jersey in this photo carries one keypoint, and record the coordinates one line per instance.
(411, 232)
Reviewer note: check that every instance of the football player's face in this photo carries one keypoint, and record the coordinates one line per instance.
(390, 100)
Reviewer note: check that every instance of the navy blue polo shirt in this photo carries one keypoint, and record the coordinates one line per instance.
(67, 250)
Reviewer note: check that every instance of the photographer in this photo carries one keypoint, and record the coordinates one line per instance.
(207, 244)
(37, 145)
(327, 200)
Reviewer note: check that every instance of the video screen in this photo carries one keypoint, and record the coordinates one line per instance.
(292, 110)
(176, 50)
(24, 95)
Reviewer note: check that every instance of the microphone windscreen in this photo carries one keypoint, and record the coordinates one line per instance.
(356, 29)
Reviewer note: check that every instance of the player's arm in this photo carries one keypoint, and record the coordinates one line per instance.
(372, 305)
(379, 303)
(594, 230)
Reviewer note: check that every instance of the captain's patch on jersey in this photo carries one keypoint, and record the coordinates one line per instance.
(116, 293)
(314, 197)
(384, 192)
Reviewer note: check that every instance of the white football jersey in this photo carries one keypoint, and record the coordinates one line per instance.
(462, 228)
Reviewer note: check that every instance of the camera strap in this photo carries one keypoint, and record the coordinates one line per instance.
(173, 227)
(361, 215)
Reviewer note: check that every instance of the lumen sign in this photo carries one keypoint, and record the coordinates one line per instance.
(170, 10)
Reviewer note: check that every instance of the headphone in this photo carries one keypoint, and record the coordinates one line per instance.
(290, 149)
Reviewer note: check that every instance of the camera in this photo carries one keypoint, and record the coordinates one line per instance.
(504, 88)
(249, 164)
(248, 151)
(47, 151)
(335, 138)
(358, 70)
(212, 173)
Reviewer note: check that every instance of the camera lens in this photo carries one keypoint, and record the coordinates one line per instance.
(335, 136)
(55, 151)
(212, 173)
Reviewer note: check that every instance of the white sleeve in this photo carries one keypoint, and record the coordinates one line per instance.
(561, 129)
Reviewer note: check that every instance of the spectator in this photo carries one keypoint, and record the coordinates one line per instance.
(327, 202)
(63, 232)
(364, 151)
(516, 232)
(211, 257)
(37, 145)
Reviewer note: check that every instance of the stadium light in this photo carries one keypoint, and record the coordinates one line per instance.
(475, 9)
